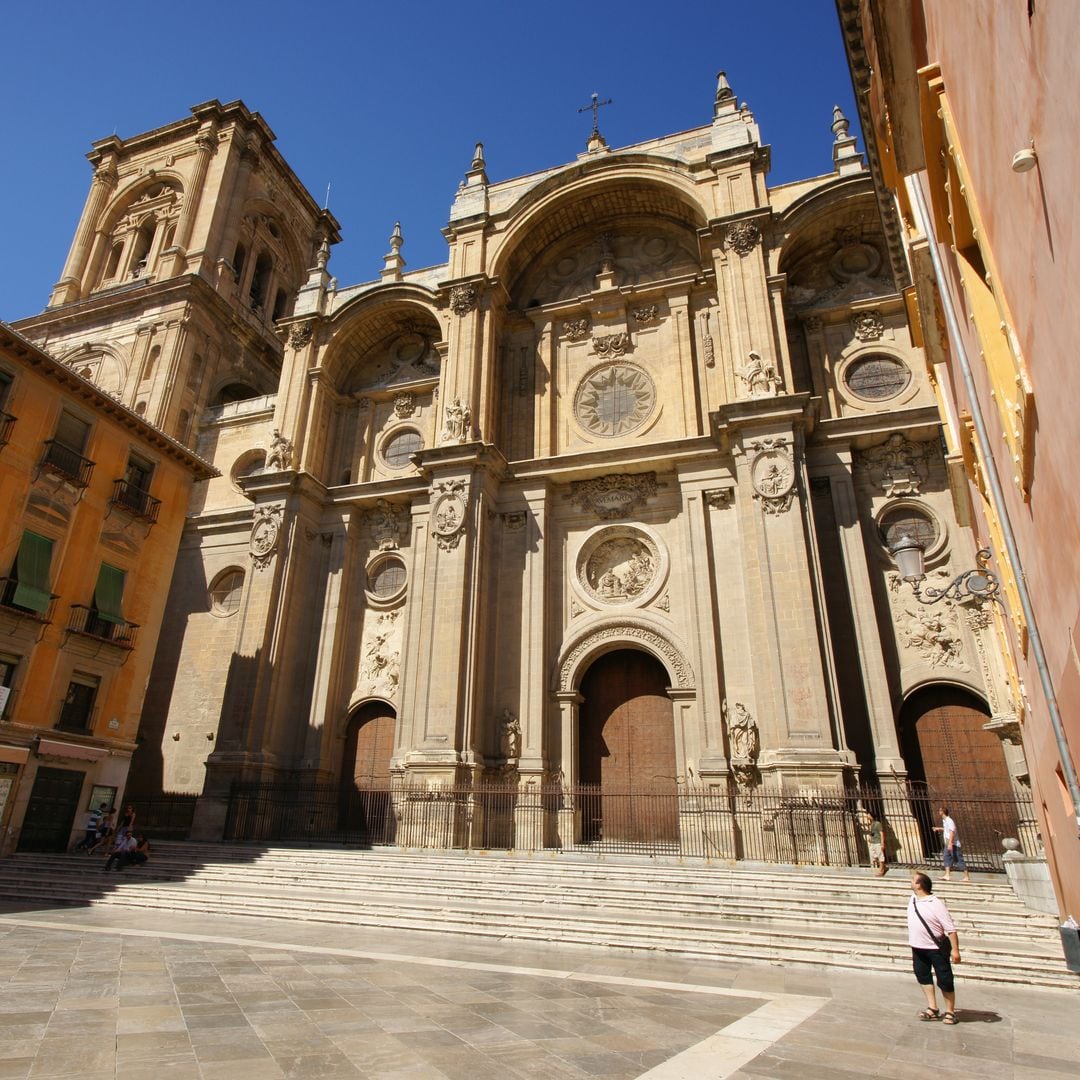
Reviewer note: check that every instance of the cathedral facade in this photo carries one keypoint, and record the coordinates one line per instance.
(606, 499)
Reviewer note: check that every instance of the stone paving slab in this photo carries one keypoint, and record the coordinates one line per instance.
(138, 994)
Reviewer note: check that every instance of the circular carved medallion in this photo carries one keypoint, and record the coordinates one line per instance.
(773, 475)
(264, 536)
(621, 565)
(614, 400)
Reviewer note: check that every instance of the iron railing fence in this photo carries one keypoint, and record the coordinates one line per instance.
(827, 828)
(136, 501)
(164, 817)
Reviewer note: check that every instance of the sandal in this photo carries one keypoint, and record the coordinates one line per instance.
(932, 1014)
(949, 1018)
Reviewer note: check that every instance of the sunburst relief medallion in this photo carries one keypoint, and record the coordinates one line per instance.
(614, 400)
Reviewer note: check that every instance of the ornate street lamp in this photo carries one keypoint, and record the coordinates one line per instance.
(977, 584)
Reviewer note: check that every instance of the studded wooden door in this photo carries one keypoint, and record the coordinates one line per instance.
(627, 750)
(961, 765)
(365, 771)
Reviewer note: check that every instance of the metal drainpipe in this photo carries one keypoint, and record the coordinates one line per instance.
(918, 201)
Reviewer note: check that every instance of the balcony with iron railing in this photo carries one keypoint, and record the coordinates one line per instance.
(88, 622)
(67, 463)
(135, 501)
(7, 422)
(8, 587)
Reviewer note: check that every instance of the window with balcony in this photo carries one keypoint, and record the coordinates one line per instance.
(132, 491)
(8, 664)
(7, 421)
(78, 709)
(64, 451)
(26, 588)
(104, 618)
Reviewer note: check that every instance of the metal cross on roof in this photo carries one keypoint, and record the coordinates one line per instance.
(595, 105)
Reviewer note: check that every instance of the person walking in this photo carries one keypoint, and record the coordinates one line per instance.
(935, 947)
(93, 821)
(951, 855)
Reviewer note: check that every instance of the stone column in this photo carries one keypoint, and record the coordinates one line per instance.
(70, 285)
(533, 653)
(206, 146)
(799, 752)
(568, 825)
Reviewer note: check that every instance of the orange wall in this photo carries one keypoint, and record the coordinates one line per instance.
(1010, 81)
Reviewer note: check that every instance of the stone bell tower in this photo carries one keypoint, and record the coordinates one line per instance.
(193, 242)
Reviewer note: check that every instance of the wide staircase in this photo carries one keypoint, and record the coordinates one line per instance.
(770, 914)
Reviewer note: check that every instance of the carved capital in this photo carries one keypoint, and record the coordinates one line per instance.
(868, 326)
(742, 237)
(610, 346)
(463, 298)
(576, 329)
(300, 335)
(648, 313)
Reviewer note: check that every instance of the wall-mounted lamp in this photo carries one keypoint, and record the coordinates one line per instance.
(1025, 160)
(977, 584)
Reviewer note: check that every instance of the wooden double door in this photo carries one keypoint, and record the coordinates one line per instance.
(366, 809)
(51, 810)
(626, 753)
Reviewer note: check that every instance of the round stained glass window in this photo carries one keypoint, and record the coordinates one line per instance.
(907, 521)
(877, 378)
(400, 448)
(386, 578)
(614, 400)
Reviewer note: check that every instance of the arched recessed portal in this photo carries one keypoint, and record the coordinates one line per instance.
(626, 748)
(947, 750)
(365, 770)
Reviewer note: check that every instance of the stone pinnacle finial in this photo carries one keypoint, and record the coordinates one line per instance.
(477, 173)
(840, 123)
(322, 257)
(393, 263)
(478, 156)
(723, 87)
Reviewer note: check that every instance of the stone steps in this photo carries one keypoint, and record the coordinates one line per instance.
(780, 915)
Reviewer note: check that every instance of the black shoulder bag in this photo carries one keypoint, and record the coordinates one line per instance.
(943, 942)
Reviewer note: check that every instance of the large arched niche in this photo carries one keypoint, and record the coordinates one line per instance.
(586, 646)
(569, 214)
(832, 248)
(384, 341)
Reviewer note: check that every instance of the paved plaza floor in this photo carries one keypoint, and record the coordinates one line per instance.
(147, 995)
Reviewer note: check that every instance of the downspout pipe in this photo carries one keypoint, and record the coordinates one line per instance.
(997, 497)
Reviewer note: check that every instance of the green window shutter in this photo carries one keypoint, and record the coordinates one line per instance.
(109, 594)
(32, 567)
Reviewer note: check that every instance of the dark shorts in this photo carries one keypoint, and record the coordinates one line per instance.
(953, 858)
(925, 961)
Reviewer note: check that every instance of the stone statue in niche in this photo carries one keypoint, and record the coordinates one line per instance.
(745, 744)
(280, 454)
(510, 735)
(458, 416)
(620, 569)
(760, 376)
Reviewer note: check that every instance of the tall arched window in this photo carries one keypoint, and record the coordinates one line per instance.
(260, 280)
(140, 250)
(112, 267)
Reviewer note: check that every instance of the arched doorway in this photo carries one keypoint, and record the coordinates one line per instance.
(366, 808)
(952, 760)
(626, 750)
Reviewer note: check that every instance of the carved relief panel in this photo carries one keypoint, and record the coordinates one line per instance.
(620, 566)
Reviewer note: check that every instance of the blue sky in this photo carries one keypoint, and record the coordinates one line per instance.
(385, 101)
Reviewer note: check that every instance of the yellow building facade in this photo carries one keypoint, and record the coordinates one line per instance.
(94, 501)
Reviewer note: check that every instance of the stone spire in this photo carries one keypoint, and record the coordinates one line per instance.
(392, 260)
(725, 96)
(477, 173)
(846, 158)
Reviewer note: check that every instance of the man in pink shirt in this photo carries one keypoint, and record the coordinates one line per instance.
(934, 948)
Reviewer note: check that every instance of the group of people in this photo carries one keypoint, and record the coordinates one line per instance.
(932, 934)
(122, 846)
